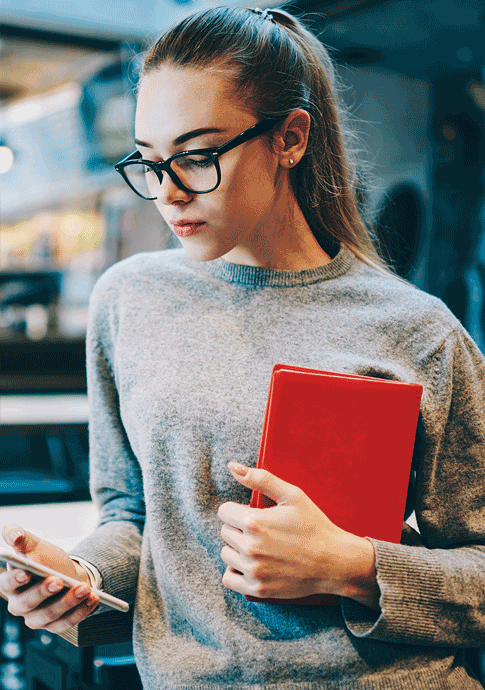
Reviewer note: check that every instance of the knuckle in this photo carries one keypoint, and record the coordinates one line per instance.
(260, 591)
(257, 571)
(74, 618)
(48, 617)
(58, 627)
(68, 621)
(251, 523)
(252, 550)
(8, 584)
(87, 607)
(265, 475)
(11, 609)
(254, 546)
(11, 584)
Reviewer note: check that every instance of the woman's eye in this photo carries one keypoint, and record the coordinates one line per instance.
(197, 162)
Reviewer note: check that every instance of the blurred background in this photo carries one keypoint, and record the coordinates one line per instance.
(414, 72)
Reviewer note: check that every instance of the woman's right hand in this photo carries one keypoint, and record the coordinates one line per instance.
(42, 609)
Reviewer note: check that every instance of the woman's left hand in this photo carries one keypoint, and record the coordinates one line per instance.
(292, 549)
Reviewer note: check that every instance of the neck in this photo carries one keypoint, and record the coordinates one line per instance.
(282, 241)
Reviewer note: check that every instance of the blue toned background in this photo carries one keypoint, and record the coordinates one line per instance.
(413, 75)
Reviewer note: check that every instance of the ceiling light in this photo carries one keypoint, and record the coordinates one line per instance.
(6, 158)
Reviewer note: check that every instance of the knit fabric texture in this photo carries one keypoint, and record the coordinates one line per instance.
(179, 357)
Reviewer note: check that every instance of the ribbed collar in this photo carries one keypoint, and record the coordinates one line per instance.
(269, 277)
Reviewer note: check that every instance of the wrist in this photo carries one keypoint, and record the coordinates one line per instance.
(360, 582)
(81, 573)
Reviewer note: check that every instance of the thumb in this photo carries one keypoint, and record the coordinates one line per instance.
(38, 549)
(20, 539)
(268, 484)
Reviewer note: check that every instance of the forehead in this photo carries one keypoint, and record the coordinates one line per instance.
(173, 100)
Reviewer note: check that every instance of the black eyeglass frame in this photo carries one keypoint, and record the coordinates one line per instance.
(213, 153)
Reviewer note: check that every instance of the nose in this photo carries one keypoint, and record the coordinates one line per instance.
(170, 192)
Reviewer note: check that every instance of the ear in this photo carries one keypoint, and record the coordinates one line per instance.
(293, 137)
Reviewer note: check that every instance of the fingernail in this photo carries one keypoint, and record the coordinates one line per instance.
(15, 536)
(21, 577)
(81, 592)
(54, 587)
(238, 468)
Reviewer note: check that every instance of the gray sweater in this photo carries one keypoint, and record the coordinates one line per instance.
(179, 357)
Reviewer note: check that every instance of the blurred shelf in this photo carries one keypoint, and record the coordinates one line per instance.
(28, 383)
(53, 409)
(50, 365)
(54, 413)
(44, 448)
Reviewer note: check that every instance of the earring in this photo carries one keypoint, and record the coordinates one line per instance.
(291, 162)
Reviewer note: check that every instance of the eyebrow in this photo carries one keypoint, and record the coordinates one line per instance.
(185, 137)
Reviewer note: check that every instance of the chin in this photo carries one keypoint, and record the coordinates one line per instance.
(203, 252)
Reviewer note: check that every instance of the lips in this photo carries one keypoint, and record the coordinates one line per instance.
(185, 228)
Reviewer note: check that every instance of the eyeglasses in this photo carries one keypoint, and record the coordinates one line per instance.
(196, 172)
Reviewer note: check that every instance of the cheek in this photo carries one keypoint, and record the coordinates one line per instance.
(250, 191)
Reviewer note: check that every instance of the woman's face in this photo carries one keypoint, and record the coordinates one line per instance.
(253, 193)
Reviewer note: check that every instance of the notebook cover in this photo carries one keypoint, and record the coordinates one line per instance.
(347, 441)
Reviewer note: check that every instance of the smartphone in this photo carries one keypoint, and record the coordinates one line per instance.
(19, 561)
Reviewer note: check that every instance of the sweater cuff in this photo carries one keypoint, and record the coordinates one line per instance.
(94, 575)
(411, 584)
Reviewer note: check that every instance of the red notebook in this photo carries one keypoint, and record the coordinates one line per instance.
(347, 441)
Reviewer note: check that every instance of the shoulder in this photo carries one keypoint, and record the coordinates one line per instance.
(142, 270)
(143, 264)
(415, 326)
(401, 307)
(144, 280)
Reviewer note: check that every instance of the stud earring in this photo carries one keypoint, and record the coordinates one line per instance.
(291, 162)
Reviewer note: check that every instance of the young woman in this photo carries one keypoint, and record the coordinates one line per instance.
(276, 265)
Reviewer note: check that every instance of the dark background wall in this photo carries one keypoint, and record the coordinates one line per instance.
(415, 76)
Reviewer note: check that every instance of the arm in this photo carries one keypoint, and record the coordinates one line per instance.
(292, 549)
(84, 574)
(115, 476)
(432, 584)
(361, 579)
(419, 592)
(87, 572)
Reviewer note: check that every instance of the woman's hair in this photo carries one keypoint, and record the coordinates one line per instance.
(274, 68)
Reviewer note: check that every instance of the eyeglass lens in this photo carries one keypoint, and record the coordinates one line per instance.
(197, 172)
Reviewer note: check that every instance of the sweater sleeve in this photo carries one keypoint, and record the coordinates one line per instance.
(433, 584)
(94, 575)
(116, 484)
